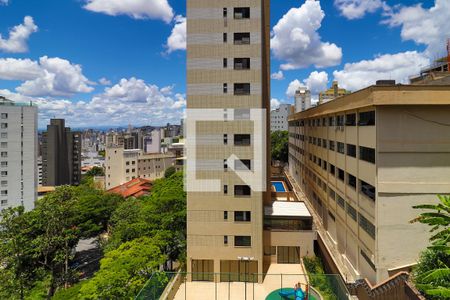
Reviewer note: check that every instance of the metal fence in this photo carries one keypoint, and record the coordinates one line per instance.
(180, 286)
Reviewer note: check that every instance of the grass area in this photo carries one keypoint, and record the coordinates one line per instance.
(317, 278)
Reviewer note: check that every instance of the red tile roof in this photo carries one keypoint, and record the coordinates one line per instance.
(133, 188)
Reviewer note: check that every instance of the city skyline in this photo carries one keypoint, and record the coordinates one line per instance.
(91, 63)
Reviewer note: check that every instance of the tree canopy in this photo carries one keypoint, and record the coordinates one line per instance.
(279, 145)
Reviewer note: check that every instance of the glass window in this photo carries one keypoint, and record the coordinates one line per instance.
(225, 240)
(225, 215)
(351, 180)
(367, 118)
(242, 139)
(341, 174)
(225, 37)
(242, 190)
(4, 125)
(242, 12)
(242, 216)
(367, 189)
(340, 147)
(242, 63)
(367, 154)
(340, 120)
(243, 164)
(242, 38)
(242, 241)
(351, 150)
(341, 201)
(242, 89)
(350, 120)
(4, 116)
(225, 63)
(351, 211)
(331, 145)
(225, 88)
(367, 226)
(225, 12)
(332, 169)
(225, 189)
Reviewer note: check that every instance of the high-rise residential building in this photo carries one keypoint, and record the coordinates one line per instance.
(18, 154)
(123, 165)
(279, 117)
(227, 71)
(152, 142)
(363, 161)
(61, 155)
(302, 99)
(332, 93)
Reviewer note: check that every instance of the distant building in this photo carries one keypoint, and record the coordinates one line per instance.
(332, 93)
(134, 188)
(279, 117)
(302, 99)
(61, 155)
(152, 142)
(437, 73)
(123, 165)
(39, 169)
(18, 154)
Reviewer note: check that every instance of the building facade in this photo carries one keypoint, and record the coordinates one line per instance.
(61, 155)
(279, 117)
(302, 99)
(227, 70)
(332, 93)
(363, 161)
(18, 154)
(123, 165)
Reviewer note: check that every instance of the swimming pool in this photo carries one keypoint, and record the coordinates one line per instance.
(279, 186)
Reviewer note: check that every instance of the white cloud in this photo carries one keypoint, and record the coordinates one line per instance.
(398, 66)
(274, 103)
(138, 9)
(292, 87)
(177, 39)
(18, 36)
(104, 81)
(130, 99)
(355, 9)
(4, 2)
(429, 27)
(295, 39)
(48, 77)
(278, 75)
(316, 83)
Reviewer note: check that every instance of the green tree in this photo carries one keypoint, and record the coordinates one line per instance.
(95, 171)
(17, 271)
(279, 145)
(169, 171)
(125, 270)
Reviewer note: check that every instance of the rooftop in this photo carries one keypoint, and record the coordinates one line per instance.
(287, 209)
(133, 188)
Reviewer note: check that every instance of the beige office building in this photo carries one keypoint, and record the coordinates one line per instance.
(122, 165)
(227, 68)
(363, 160)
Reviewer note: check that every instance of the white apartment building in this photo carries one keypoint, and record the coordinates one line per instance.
(302, 99)
(123, 165)
(18, 154)
(279, 117)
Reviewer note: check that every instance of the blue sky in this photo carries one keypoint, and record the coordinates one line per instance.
(114, 62)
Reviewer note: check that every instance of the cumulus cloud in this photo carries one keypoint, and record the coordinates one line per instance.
(4, 2)
(48, 77)
(177, 38)
(278, 75)
(18, 36)
(316, 83)
(137, 9)
(104, 81)
(398, 66)
(356, 9)
(296, 41)
(274, 103)
(430, 27)
(129, 99)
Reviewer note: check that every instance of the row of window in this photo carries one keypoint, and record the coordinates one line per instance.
(239, 241)
(239, 216)
(240, 89)
(239, 190)
(239, 38)
(238, 12)
(364, 119)
(239, 63)
(3, 116)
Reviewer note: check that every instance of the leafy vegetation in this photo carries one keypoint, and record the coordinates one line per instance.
(432, 273)
(95, 171)
(317, 277)
(169, 172)
(279, 145)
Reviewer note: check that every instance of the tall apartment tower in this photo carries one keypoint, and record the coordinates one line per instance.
(18, 158)
(302, 99)
(61, 155)
(228, 70)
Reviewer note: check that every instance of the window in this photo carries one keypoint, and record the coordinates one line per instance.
(332, 170)
(4, 164)
(366, 257)
(225, 63)
(341, 174)
(225, 215)
(324, 122)
(242, 190)
(367, 189)
(225, 139)
(225, 12)
(4, 135)
(225, 165)
(340, 120)
(270, 250)
(4, 125)
(4, 154)
(242, 12)
(331, 121)
(341, 201)
(242, 38)
(225, 88)
(225, 240)
(3, 145)
(351, 211)
(332, 194)
(243, 164)
(242, 216)
(4, 202)
(341, 148)
(351, 150)
(331, 145)
(242, 63)
(242, 139)
(4, 193)
(243, 241)
(225, 37)
(367, 226)
(4, 183)
(367, 154)
(324, 143)
(351, 180)
(242, 89)
(319, 142)
(225, 189)
(4, 116)
(367, 118)
(350, 120)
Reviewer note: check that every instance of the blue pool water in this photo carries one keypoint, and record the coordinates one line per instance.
(278, 185)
